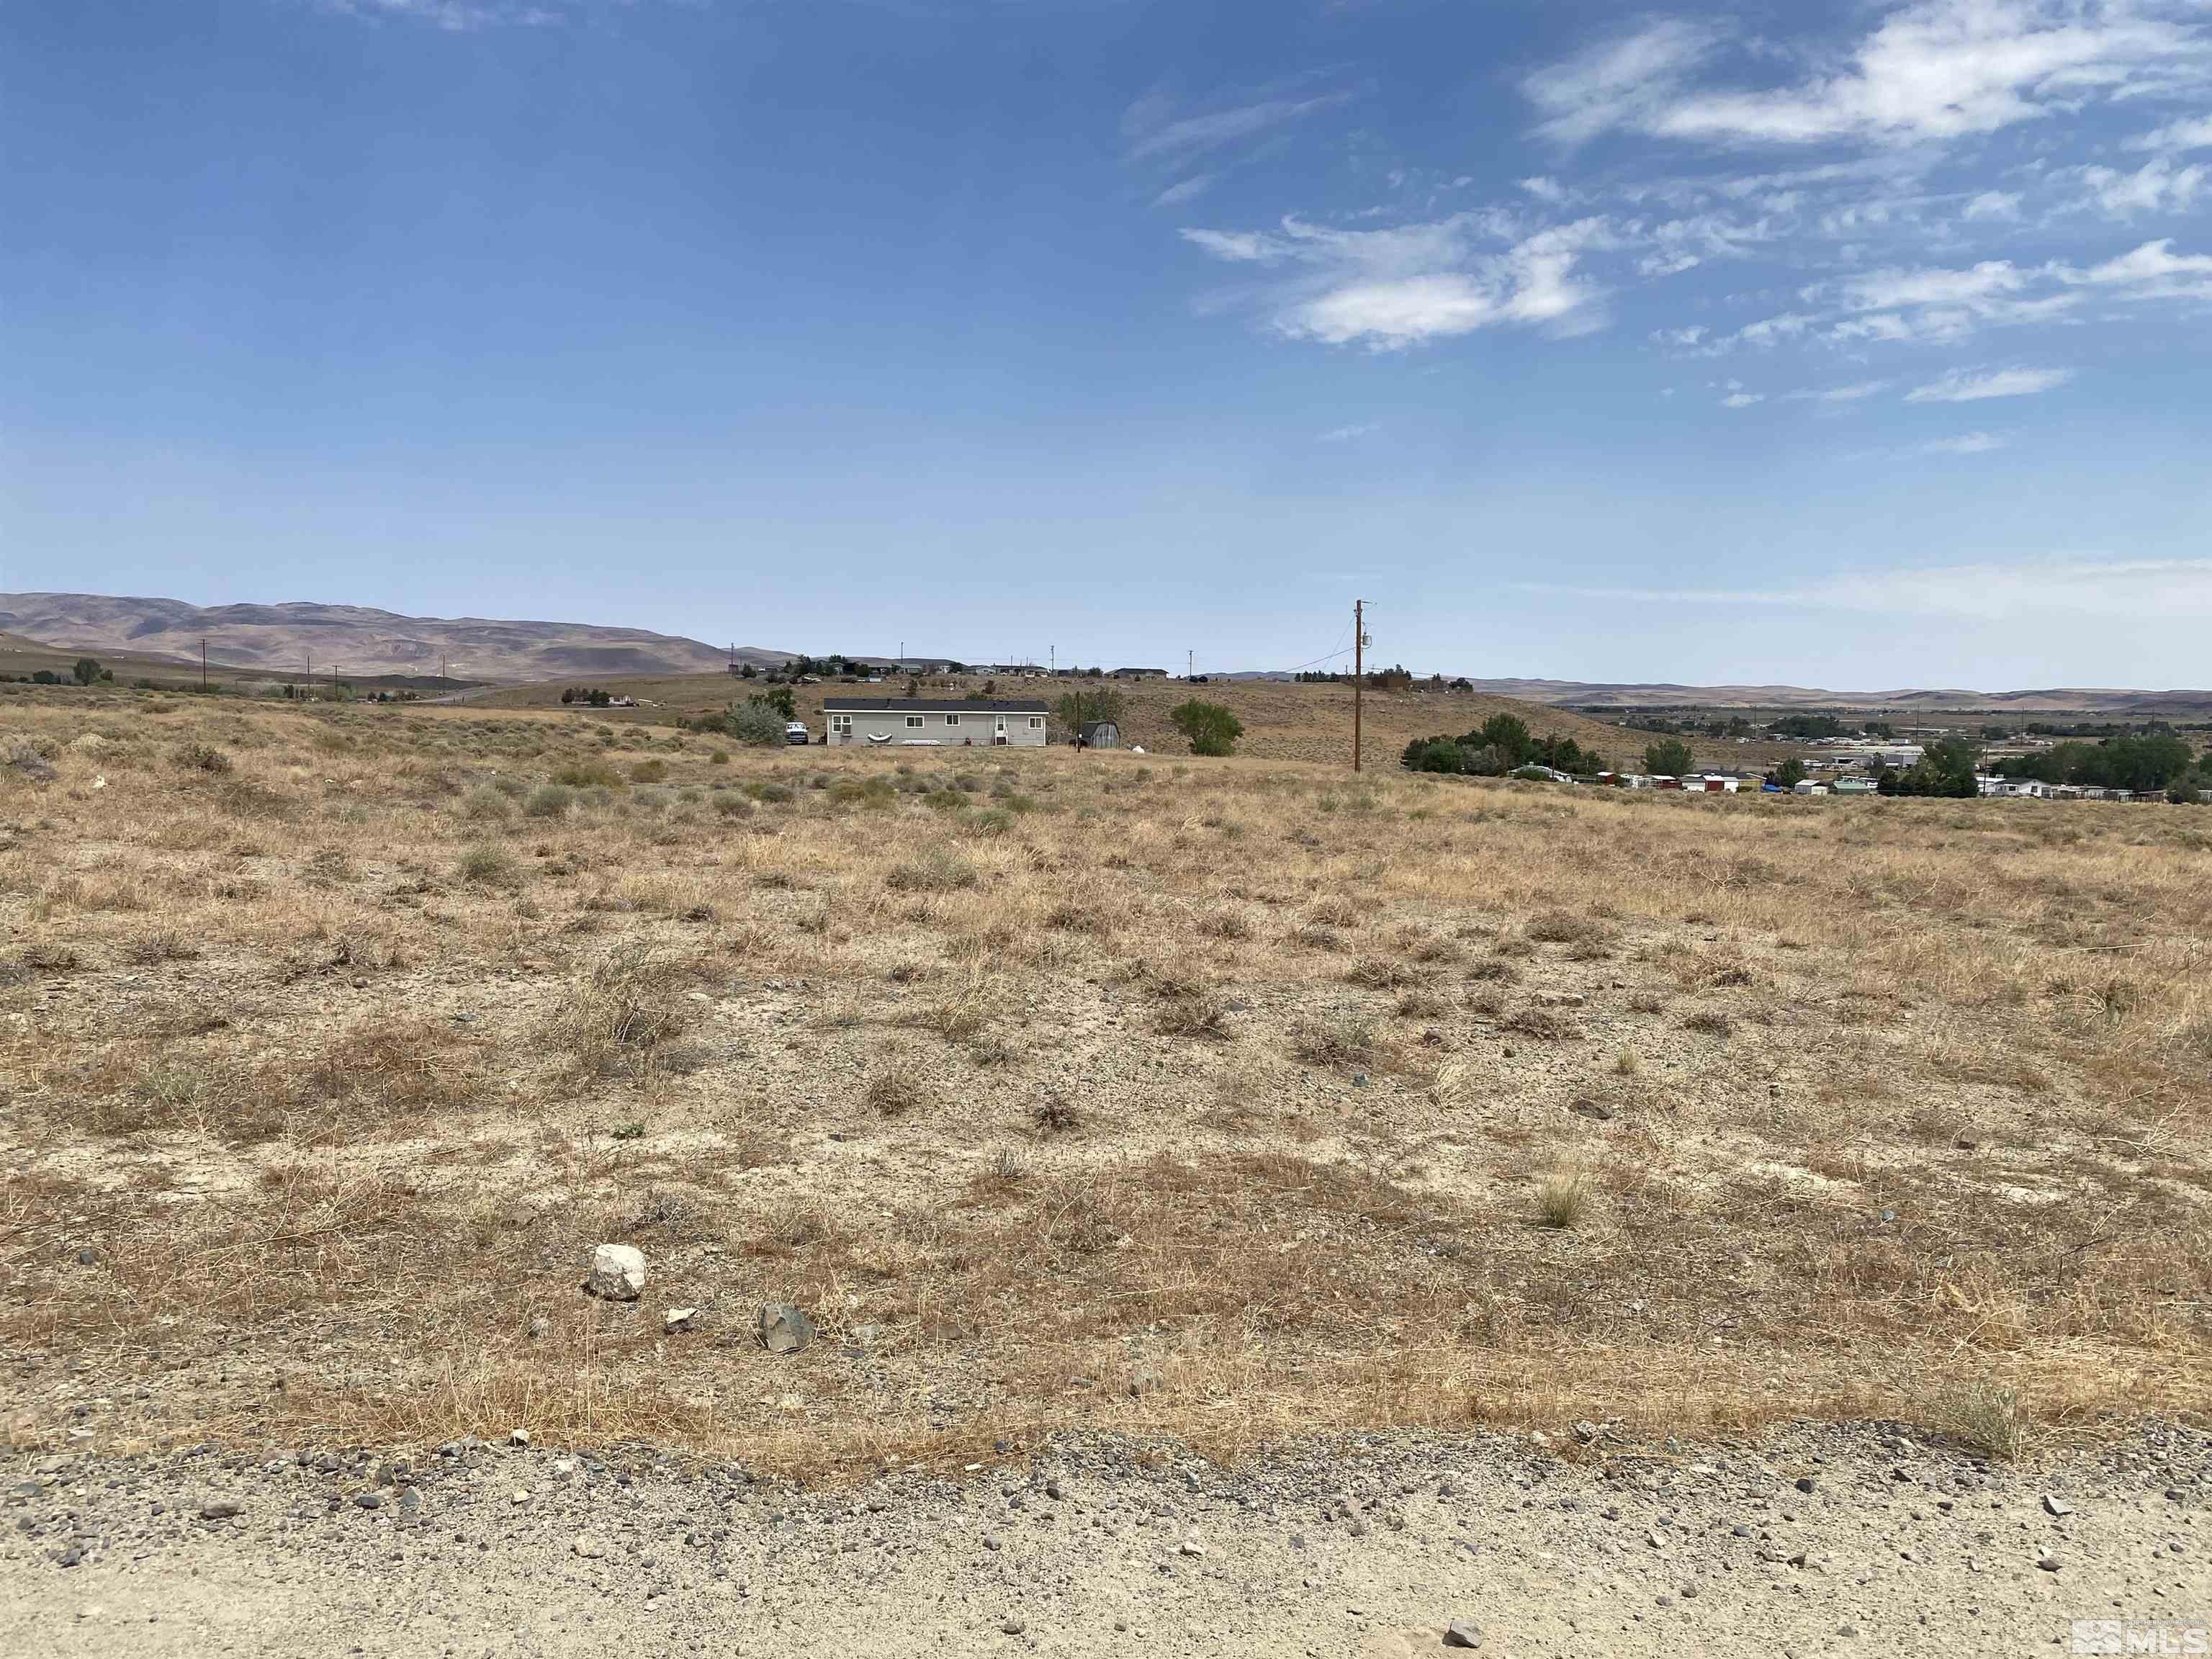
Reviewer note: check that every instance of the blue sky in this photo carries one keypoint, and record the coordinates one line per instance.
(1861, 346)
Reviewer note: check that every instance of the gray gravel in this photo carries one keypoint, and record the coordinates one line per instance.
(1374, 1545)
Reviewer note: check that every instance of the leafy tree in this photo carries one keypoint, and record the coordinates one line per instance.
(1880, 729)
(778, 700)
(1509, 735)
(1670, 757)
(1212, 729)
(1791, 772)
(1884, 783)
(1433, 755)
(1806, 725)
(1945, 768)
(87, 670)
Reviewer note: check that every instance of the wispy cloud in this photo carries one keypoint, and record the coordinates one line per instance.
(1186, 189)
(1189, 135)
(1969, 387)
(1742, 399)
(2192, 133)
(455, 16)
(1345, 435)
(1966, 443)
(1857, 392)
(1399, 287)
(2076, 588)
(1942, 69)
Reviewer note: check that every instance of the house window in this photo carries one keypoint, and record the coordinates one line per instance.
(842, 724)
(913, 719)
(952, 720)
(1036, 722)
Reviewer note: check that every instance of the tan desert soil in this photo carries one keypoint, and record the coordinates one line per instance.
(1370, 1547)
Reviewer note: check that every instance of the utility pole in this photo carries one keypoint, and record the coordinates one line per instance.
(1189, 666)
(1358, 670)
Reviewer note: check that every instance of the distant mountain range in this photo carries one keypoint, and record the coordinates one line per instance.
(349, 639)
(2085, 700)
(356, 640)
(1599, 694)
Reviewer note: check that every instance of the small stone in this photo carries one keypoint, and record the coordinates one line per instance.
(520, 1495)
(589, 1545)
(617, 1272)
(1462, 1633)
(992, 1543)
(1687, 1592)
(518, 1437)
(784, 1328)
(1586, 1431)
(1191, 1546)
(221, 1509)
(86, 1256)
(1847, 1630)
(369, 1500)
(1804, 1483)
(1740, 1530)
(1013, 1627)
(678, 1319)
(2047, 1561)
(2054, 1504)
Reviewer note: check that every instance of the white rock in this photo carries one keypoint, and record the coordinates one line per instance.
(617, 1272)
(677, 1319)
(518, 1437)
(589, 1546)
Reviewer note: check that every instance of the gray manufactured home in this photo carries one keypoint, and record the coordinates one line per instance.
(967, 722)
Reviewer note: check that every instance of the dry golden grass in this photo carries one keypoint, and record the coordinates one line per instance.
(1224, 1100)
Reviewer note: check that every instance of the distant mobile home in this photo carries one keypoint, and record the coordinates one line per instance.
(969, 722)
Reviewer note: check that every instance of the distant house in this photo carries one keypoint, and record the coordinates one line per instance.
(979, 722)
(1101, 734)
(1807, 786)
(1141, 674)
(1853, 786)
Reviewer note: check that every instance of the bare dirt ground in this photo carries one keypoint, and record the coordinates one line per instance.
(1813, 1543)
(1193, 1108)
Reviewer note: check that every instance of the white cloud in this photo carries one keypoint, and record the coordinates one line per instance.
(2157, 186)
(1892, 291)
(455, 16)
(1549, 190)
(2185, 135)
(1966, 443)
(1178, 141)
(1857, 392)
(1398, 287)
(1940, 69)
(1345, 435)
(1620, 82)
(1742, 399)
(2065, 589)
(1242, 245)
(1965, 386)
(1992, 204)
(1189, 190)
(2153, 271)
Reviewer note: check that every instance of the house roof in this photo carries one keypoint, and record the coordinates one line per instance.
(933, 706)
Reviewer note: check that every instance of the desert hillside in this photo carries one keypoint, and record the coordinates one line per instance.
(356, 640)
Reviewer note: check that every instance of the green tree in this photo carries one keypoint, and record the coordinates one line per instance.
(87, 670)
(1791, 772)
(1880, 729)
(1670, 758)
(778, 700)
(1509, 735)
(1212, 729)
(1432, 755)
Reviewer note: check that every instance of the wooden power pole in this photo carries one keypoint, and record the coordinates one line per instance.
(1358, 670)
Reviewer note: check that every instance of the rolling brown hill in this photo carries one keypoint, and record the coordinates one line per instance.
(354, 640)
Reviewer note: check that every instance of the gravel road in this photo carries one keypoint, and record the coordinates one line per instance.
(1813, 1542)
